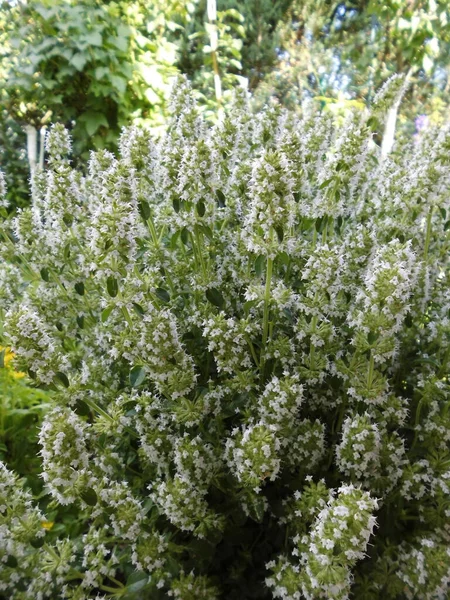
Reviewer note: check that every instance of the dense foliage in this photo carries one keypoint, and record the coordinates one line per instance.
(340, 52)
(97, 66)
(246, 328)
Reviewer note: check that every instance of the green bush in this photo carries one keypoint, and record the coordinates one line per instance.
(246, 328)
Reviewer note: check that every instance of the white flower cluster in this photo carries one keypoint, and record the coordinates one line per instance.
(20, 527)
(153, 341)
(228, 340)
(65, 456)
(3, 201)
(253, 454)
(358, 454)
(338, 539)
(225, 315)
(10, 283)
(424, 568)
(35, 343)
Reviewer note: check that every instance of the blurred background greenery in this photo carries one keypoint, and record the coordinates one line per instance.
(97, 66)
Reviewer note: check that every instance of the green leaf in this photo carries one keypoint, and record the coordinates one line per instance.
(325, 183)
(280, 233)
(119, 83)
(45, 274)
(82, 409)
(100, 72)
(137, 581)
(201, 209)
(94, 38)
(256, 507)
(174, 240)
(137, 375)
(106, 312)
(62, 377)
(207, 231)
(138, 309)
(221, 200)
(2, 358)
(176, 205)
(372, 337)
(119, 42)
(11, 562)
(78, 60)
(162, 294)
(79, 288)
(321, 223)
(112, 286)
(372, 123)
(185, 236)
(38, 542)
(144, 210)
(93, 120)
(214, 296)
(80, 321)
(89, 496)
(259, 265)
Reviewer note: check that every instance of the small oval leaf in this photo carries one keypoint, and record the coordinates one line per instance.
(79, 288)
(221, 200)
(138, 309)
(215, 297)
(62, 377)
(11, 562)
(280, 233)
(185, 236)
(89, 496)
(162, 294)
(259, 265)
(137, 581)
(201, 209)
(112, 286)
(106, 312)
(144, 209)
(137, 375)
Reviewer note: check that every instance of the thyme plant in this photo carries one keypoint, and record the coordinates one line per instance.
(246, 328)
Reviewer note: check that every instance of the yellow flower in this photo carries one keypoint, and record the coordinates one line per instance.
(47, 525)
(7, 358)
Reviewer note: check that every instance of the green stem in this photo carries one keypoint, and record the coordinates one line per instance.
(428, 234)
(416, 422)
(152, 229)
(266, 311)
(198, 242)
(312, 348)
(116, 581)
(370, 371)
(252, 350)
(340, 417)
(127, 316)
(116, 591)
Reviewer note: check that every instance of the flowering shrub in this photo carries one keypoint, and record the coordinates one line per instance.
(246, 328)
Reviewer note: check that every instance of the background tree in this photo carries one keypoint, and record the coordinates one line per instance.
(97, 66)
(340, 52)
